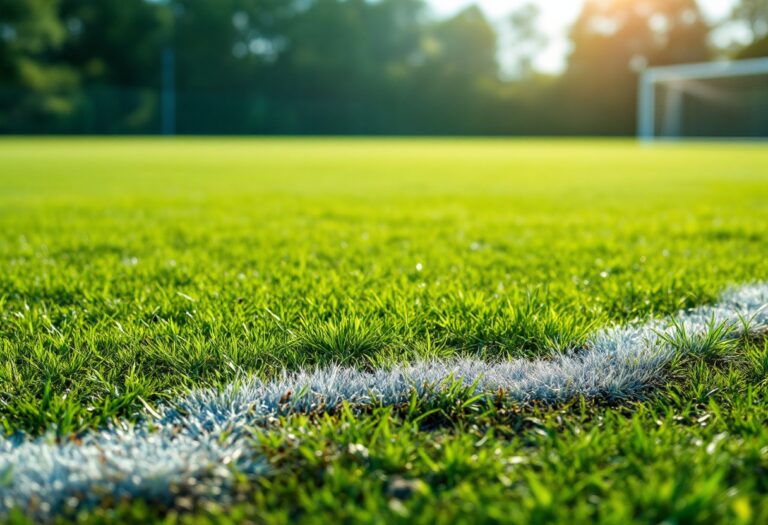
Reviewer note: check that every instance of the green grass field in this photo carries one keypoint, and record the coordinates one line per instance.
(135, 270)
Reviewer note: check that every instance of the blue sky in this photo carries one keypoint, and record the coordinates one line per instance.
(556, 16)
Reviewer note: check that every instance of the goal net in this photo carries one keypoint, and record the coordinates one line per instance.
(716, 99)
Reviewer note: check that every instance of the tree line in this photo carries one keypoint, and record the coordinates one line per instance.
(335, 66)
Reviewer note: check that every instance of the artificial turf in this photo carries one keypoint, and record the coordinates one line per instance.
(133, 270)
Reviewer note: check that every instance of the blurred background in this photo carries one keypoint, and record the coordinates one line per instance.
(368, 67)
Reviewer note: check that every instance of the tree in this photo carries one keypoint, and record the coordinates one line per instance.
(99, 33)
(754, 14)
(456, 81)
(347, 64)
(116, 46)
(37, 92)
(526, 39)
(612, 41)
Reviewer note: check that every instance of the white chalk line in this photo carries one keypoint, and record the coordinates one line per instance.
(193, 446)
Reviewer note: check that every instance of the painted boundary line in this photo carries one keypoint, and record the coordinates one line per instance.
(190, 448)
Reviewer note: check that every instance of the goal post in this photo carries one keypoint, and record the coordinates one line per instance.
(677, 101)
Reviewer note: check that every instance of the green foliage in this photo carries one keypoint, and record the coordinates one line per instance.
(31, 30)
(331, 66)
(755, 14)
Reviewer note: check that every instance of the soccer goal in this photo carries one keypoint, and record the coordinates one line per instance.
(715, 99)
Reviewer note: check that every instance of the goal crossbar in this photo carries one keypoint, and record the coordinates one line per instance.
(646, 107)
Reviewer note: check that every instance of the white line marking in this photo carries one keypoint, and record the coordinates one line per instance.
(190, 448)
